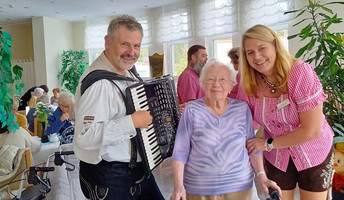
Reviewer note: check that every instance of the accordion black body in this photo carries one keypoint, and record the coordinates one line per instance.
(157, 95)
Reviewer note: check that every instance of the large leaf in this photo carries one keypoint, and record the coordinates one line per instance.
(326, 9)
(6, 35)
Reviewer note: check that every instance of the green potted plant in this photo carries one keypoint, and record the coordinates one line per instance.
(326, 50)
(9, 82)
(74, 64)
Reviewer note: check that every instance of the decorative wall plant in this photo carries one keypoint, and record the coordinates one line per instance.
(9, 78)
(74, 64)
(326, 50)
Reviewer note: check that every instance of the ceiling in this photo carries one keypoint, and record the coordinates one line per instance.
(21, 11)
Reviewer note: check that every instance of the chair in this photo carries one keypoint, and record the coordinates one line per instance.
(37, 128)
(25, 157)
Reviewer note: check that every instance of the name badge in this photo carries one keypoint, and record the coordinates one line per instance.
(283, 104)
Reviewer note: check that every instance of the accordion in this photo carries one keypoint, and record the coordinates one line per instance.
(158, 96)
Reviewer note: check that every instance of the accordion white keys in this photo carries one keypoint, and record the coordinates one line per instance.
(158, 96)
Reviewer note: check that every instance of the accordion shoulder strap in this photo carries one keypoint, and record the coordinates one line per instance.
(97, 75)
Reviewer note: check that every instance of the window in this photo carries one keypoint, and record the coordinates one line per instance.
(142, 64)
(179, 58)
(283, 35)
(221, 48)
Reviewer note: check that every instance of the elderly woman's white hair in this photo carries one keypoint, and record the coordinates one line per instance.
(212, 63)
(37, 91)
(66, 96)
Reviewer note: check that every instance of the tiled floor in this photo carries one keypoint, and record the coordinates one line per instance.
(164, 178)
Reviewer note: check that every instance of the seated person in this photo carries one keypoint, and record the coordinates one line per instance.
(30, 117)
(20, 138)
(54, 99)
(38, 92)
(12, 145)
(21, 119)
(60, 120)
(27, 96)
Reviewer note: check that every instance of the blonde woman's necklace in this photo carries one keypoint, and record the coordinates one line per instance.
(272, 86)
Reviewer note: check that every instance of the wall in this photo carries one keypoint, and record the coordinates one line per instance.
(51, 37)
(21, 39)
(79, 35)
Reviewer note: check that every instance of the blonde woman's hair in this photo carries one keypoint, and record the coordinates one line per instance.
(284, 60)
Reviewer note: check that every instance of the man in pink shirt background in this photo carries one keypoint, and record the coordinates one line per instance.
(188, 87)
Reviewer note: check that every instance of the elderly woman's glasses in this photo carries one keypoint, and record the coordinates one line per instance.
(222, 81)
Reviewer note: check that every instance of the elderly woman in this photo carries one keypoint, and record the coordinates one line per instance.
(286, 98)
(210, 158)
(60, 120)
(56, 96)
(38, 92)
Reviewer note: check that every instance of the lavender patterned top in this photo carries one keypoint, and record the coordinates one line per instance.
(213, 148)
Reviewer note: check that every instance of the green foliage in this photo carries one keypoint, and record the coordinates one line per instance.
(42, 113)
(74, 64)
(6, 81)
(180, 56)
(326, 50)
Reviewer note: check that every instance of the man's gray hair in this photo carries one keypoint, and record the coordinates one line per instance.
(128, 21)
(64, 96)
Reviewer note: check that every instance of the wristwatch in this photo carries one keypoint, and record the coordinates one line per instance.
(270, 142)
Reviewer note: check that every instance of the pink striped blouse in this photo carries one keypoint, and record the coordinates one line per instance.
(278, 117)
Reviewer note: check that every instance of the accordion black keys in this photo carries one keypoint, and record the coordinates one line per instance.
(158, 96)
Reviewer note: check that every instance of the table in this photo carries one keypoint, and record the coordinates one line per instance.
(46, 150)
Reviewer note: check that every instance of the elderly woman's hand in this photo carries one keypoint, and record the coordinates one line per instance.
(179, 194)
(255, 145)
(266, 184)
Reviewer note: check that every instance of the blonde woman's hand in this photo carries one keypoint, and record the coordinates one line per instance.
(255, 145)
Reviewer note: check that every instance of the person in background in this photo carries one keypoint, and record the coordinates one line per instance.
(27, 96)
(20, 138)
(233, 54)
(210, 159)
(38, 92)
(60, 120)
(286, 98)
(30, 117)
(103, 127)
(188, 87)
(55, 98)
(21, 119)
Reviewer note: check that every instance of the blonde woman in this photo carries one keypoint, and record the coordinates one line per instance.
(286, 98)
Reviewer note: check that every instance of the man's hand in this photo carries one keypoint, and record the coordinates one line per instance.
(64, 116)
(141, 119)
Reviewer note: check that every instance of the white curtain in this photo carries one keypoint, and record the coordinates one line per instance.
(28, 78)
(198, 18)
(215, 17)
(266, 12)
